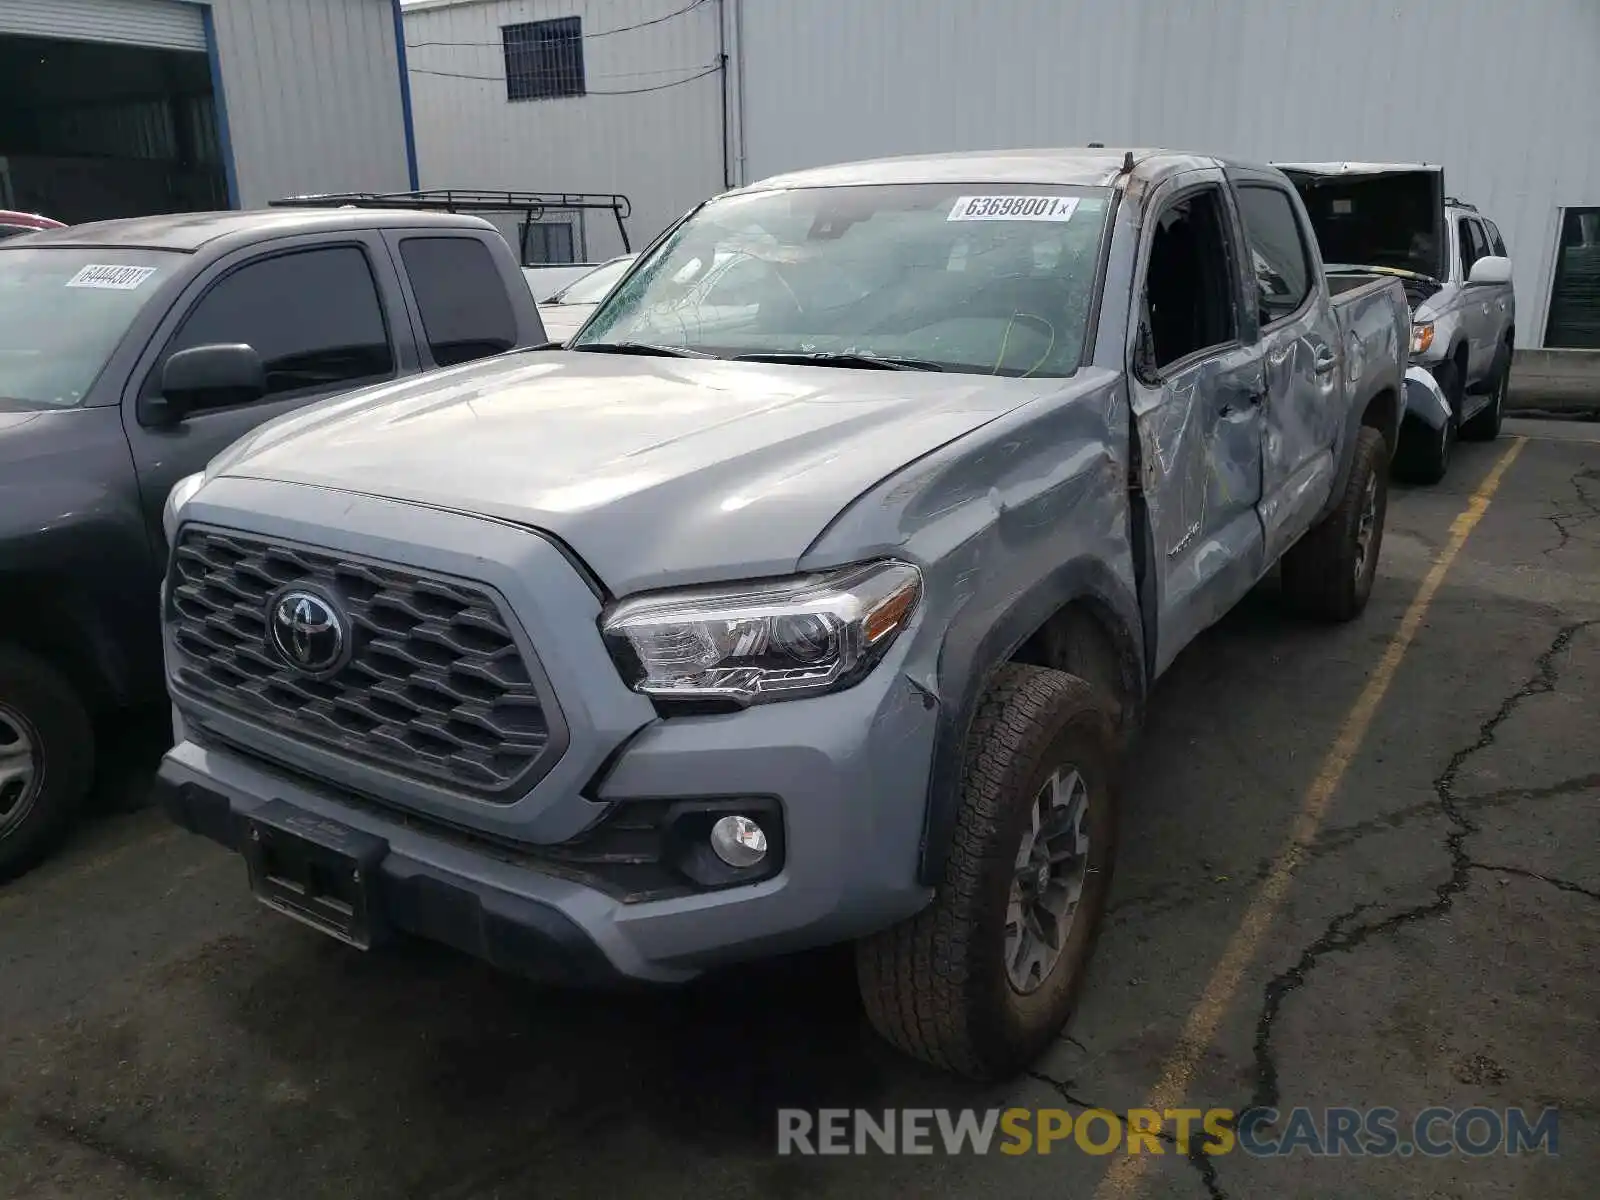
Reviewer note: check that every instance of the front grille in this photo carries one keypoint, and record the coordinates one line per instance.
(435, 689)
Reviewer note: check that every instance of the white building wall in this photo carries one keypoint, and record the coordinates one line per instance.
(663, 148)
(313, 97)
(1505, 96)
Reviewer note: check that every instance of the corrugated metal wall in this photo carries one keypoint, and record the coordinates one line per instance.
(169, 24)
(1505, 96)
(312, 89)
(647, 128)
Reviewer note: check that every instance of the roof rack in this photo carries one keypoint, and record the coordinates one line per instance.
(531, 205)
(1453, 202)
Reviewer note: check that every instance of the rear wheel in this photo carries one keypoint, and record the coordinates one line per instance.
(1328, 573)
(982, 981)
(46, 759)
(1485, 424)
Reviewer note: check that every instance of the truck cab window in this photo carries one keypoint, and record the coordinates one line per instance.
(1189, 283)
(313, 316)
(466, 313)
(1278, 257)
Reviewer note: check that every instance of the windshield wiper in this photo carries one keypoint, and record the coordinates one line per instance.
(871, 362)
(642, 348)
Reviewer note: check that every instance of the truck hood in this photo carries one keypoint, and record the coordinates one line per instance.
(655, 471)
(1376, 214)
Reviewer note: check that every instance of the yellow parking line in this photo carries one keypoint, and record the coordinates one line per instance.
(1200, 1028)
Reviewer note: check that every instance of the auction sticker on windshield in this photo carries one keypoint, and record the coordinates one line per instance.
(1013, 208)
(113, 278)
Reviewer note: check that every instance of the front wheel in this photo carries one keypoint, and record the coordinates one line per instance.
(46, 759)
(1328, 573)
(981, 981)
(1425, 458)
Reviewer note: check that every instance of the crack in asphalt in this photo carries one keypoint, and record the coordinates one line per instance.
(1589, 511)
(1342, 933)
(1177, 894)
(1523, 873)
(1197, 1158)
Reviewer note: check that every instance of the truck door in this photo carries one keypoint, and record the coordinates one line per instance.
(1478, 314)
(1298, 343)
(314, 312)
(1195, 387)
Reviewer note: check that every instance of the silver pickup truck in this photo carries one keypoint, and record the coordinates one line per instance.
(704, 639)
(1395, 219)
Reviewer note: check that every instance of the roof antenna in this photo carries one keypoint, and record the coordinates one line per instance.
(1127, 163)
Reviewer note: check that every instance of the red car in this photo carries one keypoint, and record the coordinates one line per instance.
(14, 223)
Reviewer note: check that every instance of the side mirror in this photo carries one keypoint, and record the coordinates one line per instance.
(202, 377)
(1491, 268)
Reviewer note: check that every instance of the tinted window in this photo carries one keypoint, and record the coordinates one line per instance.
(465, 311)
(1277, 251)
(313, 316)
(1472, 245)
(1496, 242)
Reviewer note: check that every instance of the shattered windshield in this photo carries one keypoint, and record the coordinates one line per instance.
(971, 278)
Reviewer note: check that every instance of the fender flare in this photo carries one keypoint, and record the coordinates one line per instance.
(967, 665)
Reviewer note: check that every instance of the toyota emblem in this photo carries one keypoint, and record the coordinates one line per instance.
(307, 632)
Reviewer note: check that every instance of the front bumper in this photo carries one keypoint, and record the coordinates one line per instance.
(851, 827)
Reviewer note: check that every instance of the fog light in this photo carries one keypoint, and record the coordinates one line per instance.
(739, 841)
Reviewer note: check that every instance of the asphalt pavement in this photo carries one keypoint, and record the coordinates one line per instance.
(1359, 868)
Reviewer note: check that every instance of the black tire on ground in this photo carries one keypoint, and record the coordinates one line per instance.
(1328, 573)
(1485, 423)
(937, 986)
(39, 705)
(1425, 455)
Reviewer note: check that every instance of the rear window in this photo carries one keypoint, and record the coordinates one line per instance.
(63, 309)
(466, 313)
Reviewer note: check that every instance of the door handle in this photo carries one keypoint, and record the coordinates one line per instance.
(1325, 361)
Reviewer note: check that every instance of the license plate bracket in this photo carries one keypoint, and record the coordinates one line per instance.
(321, 873)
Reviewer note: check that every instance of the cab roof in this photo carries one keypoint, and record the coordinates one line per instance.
(1091, 166)
(189, 232)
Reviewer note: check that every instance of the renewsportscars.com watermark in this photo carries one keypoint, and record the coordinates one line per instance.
(1260, 1132)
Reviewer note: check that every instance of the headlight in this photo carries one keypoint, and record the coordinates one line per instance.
(764, 641)
(182, 492)
(1421, 337)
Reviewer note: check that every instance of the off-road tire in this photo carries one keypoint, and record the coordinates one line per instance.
(1485, 423)
(1319, 571)
(55, 717)
(936, 985)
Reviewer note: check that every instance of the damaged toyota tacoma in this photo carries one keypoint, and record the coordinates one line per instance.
(809, 596)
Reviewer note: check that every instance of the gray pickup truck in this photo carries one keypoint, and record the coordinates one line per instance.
(705, 639)
(133, 351)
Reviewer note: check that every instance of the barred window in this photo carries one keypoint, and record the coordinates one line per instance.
(544, 59)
